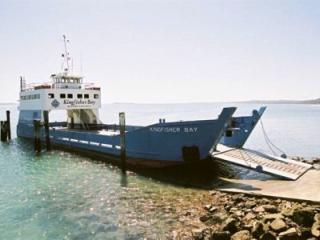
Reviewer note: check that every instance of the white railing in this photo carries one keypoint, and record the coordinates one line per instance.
(50, 85)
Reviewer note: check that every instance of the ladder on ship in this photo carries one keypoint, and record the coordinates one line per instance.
(260, 162)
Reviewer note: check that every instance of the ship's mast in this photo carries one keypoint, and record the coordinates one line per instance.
(66, 54)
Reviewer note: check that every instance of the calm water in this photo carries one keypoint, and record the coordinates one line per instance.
(58, 195)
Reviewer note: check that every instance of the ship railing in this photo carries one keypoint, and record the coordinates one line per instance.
(36, 86)
(49, 85)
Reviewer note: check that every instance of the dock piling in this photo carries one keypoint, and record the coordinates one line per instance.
(3, 131)
(37, 141)
(8, 126)
(46, 129)
(72, 123)
(122, 125)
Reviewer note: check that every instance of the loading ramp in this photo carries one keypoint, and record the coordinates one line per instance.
(260, 162)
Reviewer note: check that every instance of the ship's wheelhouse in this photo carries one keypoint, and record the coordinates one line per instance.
(65, 92)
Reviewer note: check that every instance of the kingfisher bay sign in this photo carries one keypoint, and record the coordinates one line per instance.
(174, 129)
(79, 103)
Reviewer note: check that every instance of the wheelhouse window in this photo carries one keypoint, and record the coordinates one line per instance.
(96, 96)
(86, 96)
(62, 95)
(50, 95)
(79, 95)
(70, 95)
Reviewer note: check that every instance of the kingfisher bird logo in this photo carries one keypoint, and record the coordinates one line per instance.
(55, 103)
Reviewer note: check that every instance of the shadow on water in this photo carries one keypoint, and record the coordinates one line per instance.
(204, 175)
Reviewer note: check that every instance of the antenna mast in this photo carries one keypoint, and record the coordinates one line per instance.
(66, 53)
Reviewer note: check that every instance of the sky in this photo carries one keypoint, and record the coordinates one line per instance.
(166, 51)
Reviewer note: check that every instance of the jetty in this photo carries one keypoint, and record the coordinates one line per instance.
(306, 188)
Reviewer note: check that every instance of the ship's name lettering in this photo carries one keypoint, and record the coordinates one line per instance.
(79, 102)
(174, 129)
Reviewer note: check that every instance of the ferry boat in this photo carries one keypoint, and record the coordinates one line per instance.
(160, 144)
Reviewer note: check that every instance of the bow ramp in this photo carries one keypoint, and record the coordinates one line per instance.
(281, 167)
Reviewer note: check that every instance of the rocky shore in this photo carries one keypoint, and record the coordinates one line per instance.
(242, 217)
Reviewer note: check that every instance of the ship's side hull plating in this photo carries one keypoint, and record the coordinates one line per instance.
(158, 144)
(240, 128)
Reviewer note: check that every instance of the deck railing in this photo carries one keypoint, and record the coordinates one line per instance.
(50, 85)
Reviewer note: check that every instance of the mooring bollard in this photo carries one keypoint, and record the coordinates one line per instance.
(46, 129)
(8, 126)
(37, 141)
(122, 125)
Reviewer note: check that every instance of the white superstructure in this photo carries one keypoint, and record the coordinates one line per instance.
(65, 92)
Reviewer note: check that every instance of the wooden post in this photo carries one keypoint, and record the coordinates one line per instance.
(3, 132)
(46, 129)
(8, 126)
(122, 125)
(72, 122)
(37, 141)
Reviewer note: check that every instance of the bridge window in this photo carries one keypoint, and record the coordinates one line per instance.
(86, 96)
(50, 95)
(62, 95)
(96, 96)
(79, 96)
(70, 95)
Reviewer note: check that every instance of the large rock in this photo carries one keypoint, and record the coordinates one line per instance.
(257, 230)
(221, 235)
(218, 218)
(197, 234)
(241, 235)
(213, 209)
(305, 233)
(290, 234)
(278, 225)
(271, 217)
(317, 217)
(207, 207)
(250, 204)
(238, 198)
(270, 208)
(264, 201)
(315, 229)
(287, 212)
(204, 218)
(268, 236)
(304, 216)
(230, 225)
(249, 216)
(259, 209)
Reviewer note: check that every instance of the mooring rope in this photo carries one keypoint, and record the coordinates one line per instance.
(270, 144)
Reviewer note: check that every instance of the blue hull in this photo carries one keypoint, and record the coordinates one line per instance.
(160, 144)
(240, 128)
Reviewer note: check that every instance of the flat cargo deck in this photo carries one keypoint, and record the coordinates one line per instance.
(281, 167)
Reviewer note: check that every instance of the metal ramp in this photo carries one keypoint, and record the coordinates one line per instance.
(282, 167)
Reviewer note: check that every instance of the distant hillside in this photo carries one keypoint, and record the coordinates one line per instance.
(315, 101)
(312, 101)
(4, 104)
